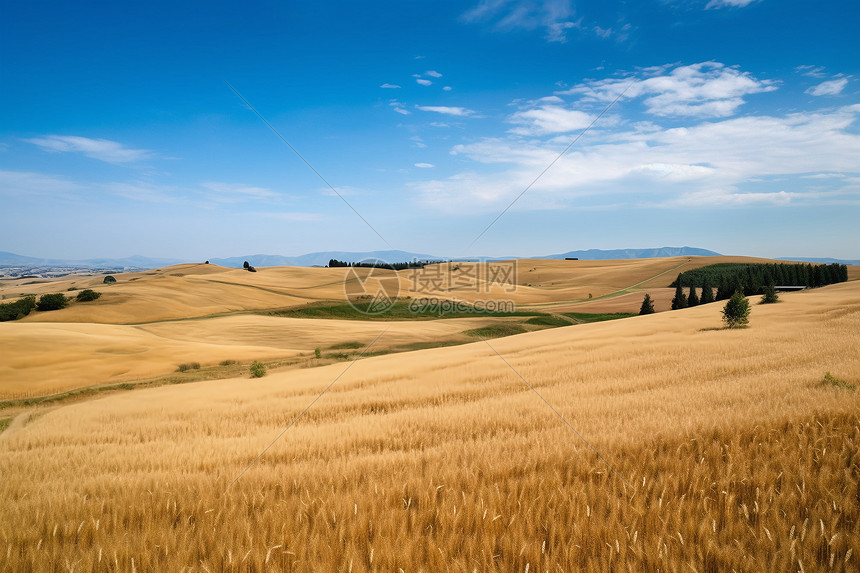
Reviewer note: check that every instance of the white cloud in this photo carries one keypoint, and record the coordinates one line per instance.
(424, 82)
(734, 161)
(549, 119)
(390, 86)
(447, 110)
(433, 74)
(707, 89)
(237, 192)
(425, 165)
(811, 71)
(398, 107)
(552, 16)
(730, 197)
(101, 149)
(832, 87)
(731, 3)
(447, 88)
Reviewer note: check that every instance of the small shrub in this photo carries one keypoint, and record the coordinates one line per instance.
(109, 280)
(18, 309)
(189, 366)
(830, 380)
(258, 369)
(54, 301)
(227, 362)
(317, 353)
(736, 313)
(88, 295)
(70, 289)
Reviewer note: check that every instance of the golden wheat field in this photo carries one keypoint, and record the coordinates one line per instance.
(653, 443)
(149, 323)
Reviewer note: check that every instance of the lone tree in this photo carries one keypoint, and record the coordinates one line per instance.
(109, 280)
(647, 305)
(692, 298)
(770, 295)
(736, 313)
(246, 264)
(680, 299)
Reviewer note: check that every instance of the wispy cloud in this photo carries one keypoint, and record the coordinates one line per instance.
(424, 82)
(549, 119)
(390, 86)
(811, 71)
(433, 74)
(554, 17)
(237, 192)
(829, 88)
(101, 149)
(731, 197)
(425, 165)
(447, 110)
(707, 89)
(735, 161)
(728, 3)
(398, 107)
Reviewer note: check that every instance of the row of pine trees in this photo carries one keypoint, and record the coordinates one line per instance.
(753, 278)
(747, 280)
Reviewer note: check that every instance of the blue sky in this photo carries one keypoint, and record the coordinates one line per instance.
(735, 127)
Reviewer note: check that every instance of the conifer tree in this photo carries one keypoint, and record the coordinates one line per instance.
(692, 298)
(707, 292)
(770, 295)
(680, 299)
(736, 313)
(647, 305)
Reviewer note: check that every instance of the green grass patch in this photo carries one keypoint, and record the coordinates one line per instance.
(400, 310)
(830, 380)
(352, 345)
(598, 317)
(427, 344)
(496, 330)
(548, 320)
(338, 356)
(4, 423)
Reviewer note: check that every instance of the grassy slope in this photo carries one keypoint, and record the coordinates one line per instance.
(729, 452)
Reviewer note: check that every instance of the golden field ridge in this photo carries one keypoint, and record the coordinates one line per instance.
(726, 450)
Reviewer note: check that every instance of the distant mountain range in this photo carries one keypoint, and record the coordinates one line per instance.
(135, 262)
(27, 265)
(820, 260)
(617, 254)
(321, 259)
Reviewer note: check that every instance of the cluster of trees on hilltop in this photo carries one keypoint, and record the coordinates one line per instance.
(754, 278)
(383, 265)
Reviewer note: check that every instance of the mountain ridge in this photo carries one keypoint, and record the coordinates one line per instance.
(10, 260)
